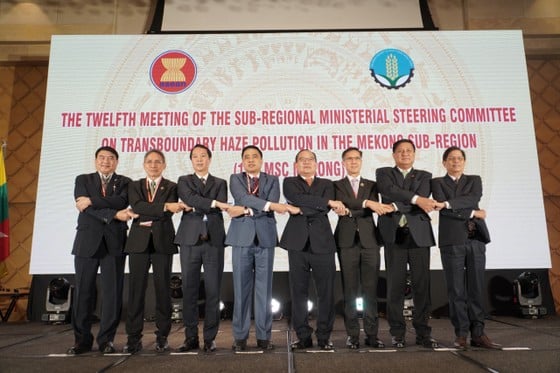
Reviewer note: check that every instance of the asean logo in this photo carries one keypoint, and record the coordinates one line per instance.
(391, 68)
(173, 72)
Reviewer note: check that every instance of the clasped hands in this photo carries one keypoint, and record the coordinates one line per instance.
(235, 211)
(429, 205)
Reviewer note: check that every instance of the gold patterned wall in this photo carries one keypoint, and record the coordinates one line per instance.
(544, 80)
(22, 104)
(22, 100)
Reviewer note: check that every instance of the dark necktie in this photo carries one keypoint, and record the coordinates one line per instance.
(153, 187)
(255, 186)
(104, 183)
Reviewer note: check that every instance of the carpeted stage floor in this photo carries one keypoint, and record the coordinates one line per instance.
(528, 346)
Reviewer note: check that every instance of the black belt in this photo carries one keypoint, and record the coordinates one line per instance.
(471, 227)
(403, 230)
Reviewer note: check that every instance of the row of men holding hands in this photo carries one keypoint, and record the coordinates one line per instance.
(106, 201)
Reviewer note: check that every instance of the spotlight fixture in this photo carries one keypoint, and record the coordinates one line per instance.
(176, 285)
(360, 304)
(58, 301)
(276, 309)
(408, 308)
(527, 295)
(226, 310)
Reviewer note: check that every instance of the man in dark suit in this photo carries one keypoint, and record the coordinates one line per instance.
(201, 235)
(358, 248)
(407, 234)
(311, 246)
(150, 243)
(253, 237)
(462, 239)
(102, 199)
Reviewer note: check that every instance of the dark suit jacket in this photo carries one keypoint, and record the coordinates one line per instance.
(96, 222)
(162, 228)
(395, 189)
(360, 219)
(243, 229)
(313, 223)
(195, 194)
(463, 199)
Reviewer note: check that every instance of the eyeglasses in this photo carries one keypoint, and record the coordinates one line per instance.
(157, 162)
(301, 159)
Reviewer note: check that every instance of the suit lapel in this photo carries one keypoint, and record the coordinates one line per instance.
(451, 186)
(408, 180)
(397, 175)
(209, 184)
(263, 185)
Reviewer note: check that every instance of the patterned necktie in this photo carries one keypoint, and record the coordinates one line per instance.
(254, 186)
(355, 186)
(104, 183)
(153, 187)
(203, 180)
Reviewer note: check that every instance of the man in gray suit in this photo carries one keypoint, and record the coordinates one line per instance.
(463, 236)
(358, 248)
(407, 234)
(201, 235)
(253, 237)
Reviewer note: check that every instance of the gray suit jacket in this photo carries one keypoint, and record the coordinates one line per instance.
(242, 230)
(398, 190)
(463, 199)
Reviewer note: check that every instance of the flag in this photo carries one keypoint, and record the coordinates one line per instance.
(4, 221)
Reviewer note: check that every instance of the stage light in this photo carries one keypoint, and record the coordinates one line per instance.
(408, 308)
(309, 306)
(58, 301)
(176, 285)
(360, 304)
(276, 309)
(527, 295)
(226, 310)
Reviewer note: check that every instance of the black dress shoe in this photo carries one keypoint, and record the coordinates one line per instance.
(352, 343)
(265, 344)
(374, 342)
(398, 342)
(78, 349)
(132, 347)
(107, 348)
(209, 346)
(239, 345)
(302, 344)
(325, 345)
(161, 344)
(427, 342)
(191, 343)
